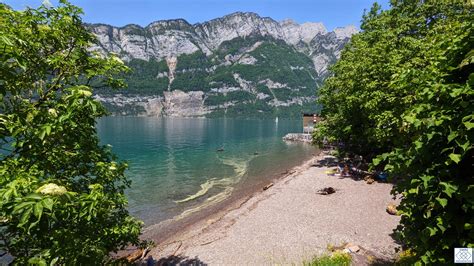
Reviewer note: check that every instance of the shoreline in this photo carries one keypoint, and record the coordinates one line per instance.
(169, 231)
(286, 223)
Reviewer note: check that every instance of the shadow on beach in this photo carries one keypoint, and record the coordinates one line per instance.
(358, 169)
(327, 161)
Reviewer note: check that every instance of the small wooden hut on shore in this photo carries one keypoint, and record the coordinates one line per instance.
(309, 120)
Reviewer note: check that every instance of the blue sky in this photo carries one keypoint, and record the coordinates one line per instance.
(333, 13)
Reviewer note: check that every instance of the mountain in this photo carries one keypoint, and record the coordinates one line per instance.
(240, 64)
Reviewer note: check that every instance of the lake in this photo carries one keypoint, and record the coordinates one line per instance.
(179, 166)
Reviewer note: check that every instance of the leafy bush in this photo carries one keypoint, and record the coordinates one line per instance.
(62, 194)
(402, 94)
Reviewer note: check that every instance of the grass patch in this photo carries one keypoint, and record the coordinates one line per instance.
(337, 258)
(405, 258)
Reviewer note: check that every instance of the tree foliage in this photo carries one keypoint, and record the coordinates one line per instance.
(61, 192)
(402, 94)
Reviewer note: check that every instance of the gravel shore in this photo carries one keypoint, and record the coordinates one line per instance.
(290, 222)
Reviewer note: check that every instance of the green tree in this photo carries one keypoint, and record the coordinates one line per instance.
(402, 95)
(61, 193)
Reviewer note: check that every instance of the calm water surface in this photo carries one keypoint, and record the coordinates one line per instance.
(176, 169)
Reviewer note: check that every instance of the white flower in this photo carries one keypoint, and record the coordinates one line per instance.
(51, 189)
(113, 166)
(85, 93)
(52, 112)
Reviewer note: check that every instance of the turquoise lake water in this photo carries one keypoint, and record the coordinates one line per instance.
(176, 169)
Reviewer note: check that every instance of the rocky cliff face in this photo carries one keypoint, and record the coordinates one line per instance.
(206, 62)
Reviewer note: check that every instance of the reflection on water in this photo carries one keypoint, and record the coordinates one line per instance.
(175, 167)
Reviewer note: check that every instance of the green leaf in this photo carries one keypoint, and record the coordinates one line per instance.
(442, 202)
(466, 146)
(448, 189)
(34, 196)
(33, 224)
(54, 261)
(441, 227)
(42, 134)
(426, 179)
(37, 261)
(6, 40)
(455, 157)
(468, 226)
(47, 129)
(38, 210)
(469, 59)
(48, 203)
(432, 231)
(410, 119)
(452, 136)
(7, 194)
(25, 217)
(376, 161)
(469, 125)
(19, 208)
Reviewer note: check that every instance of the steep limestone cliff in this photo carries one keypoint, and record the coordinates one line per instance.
(224, 65)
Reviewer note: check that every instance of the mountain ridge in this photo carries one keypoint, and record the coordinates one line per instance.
(207, 37)
(224, 16)
(227, 62)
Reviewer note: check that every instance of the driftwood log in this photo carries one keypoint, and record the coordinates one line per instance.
(138, 254)
(268, 186)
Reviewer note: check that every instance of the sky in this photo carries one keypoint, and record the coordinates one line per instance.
(333, 13)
